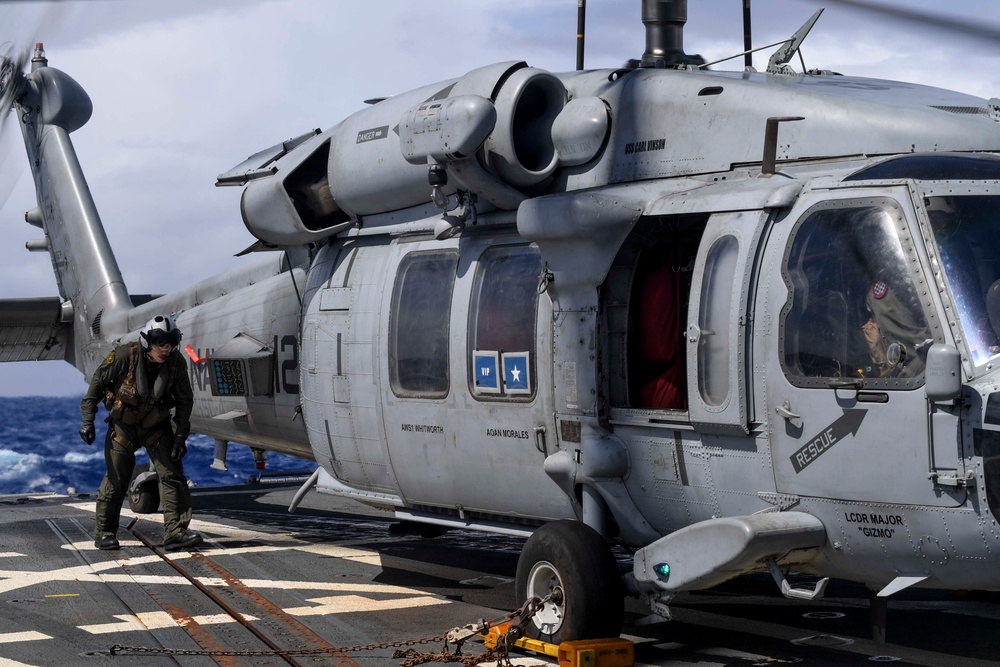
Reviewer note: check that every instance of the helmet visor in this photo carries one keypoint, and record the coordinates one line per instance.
(159, 337)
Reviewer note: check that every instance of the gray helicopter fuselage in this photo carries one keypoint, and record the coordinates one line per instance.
(607, 311)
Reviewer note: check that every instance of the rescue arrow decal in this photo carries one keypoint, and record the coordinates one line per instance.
(848, 423)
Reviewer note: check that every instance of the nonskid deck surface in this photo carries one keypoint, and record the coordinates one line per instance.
(273, 588)
(254, 588)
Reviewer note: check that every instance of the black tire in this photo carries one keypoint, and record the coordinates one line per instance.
(574, 558)
(144, 499)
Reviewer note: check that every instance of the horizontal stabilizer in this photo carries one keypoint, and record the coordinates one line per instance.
(710, 552)
(32, 330)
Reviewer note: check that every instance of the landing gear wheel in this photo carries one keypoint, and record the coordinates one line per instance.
(573, 563)
(144, 498)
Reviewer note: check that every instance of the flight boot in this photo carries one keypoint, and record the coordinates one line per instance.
(182, 540)
(107, 542)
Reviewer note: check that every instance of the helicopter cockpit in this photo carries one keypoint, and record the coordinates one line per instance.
(857, 308)
(966, 230)
(854, 310)
(967, 235)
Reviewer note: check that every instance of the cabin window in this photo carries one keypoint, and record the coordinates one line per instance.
(853, 310)
(714, 320)
(502, 322)
(419, 322)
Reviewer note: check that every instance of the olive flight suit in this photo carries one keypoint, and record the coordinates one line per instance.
(139, 396)
(896, 317)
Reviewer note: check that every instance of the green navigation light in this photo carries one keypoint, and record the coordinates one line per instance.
(662, 571)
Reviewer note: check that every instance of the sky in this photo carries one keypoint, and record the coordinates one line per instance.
(184, 90)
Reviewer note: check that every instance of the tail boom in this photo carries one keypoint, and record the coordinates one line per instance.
(90, 283)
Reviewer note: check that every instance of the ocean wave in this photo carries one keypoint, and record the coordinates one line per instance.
(14, 465)
(41, 452)
(83, 457)
(41, 484)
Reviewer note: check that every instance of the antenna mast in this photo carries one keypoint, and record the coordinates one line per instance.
(747, 41)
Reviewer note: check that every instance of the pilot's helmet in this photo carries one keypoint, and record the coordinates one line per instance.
(160, 330)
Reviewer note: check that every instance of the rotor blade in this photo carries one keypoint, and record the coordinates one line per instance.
(988, 33)
(13, 168)
(12, 62)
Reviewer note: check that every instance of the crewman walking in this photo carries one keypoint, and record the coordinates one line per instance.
(140, 383)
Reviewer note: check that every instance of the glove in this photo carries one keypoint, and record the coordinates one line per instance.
(180, 448)
(87, 433)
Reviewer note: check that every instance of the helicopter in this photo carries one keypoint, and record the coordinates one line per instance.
(733, 321)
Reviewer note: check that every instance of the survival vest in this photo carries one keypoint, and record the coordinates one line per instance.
(147, 410)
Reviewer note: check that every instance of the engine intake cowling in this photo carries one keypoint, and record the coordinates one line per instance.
(520, 150)
(493, 126)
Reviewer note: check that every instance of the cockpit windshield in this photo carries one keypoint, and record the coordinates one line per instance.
(967, 233)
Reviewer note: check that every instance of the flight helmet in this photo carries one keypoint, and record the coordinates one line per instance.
(159, 330)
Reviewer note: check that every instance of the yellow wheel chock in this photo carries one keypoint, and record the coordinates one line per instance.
(616, 652)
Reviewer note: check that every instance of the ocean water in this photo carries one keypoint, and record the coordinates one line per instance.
(41, 452)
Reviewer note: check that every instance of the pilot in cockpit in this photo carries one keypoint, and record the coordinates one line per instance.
(896, 331)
